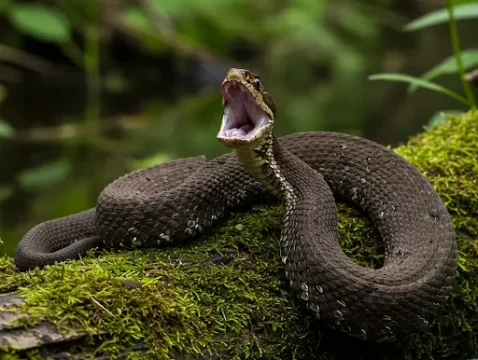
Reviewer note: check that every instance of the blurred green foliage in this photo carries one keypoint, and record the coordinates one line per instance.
(81, 62)
(449, 66)
(40, 21)
(464, 9)
(458, 64)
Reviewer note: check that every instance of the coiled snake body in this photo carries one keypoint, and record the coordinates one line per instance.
(173, 202)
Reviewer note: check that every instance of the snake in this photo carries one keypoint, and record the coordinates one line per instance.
(307, 172)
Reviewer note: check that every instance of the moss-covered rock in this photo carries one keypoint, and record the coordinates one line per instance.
(224, 296)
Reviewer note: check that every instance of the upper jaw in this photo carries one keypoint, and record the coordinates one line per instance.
(243, 122)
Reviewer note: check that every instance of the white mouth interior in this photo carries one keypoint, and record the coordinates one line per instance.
(242, 116)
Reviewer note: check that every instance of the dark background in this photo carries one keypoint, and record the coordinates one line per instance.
(92, 89)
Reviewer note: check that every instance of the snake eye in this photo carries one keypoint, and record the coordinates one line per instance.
(257, 83)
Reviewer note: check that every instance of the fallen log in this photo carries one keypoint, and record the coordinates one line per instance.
(224, 295)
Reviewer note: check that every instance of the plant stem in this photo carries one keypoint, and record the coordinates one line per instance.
(93, 80)
(455, 41)
(420, 83)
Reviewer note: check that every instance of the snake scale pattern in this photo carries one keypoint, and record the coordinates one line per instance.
(173, 202)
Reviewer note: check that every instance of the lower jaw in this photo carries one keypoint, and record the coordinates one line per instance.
(233, 143)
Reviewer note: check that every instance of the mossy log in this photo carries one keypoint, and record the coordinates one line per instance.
(225, 296)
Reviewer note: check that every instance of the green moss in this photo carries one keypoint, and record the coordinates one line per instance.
(448, 157)
(225, 293)
(184, 301)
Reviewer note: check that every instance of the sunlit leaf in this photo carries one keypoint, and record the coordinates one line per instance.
(420, 83)
(448, 66)
(460, 12)
(42, 22)
(45, 175)
(6, 130)
(469, 59)
(5, 193)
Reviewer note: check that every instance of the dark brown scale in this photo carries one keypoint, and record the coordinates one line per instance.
(162, 205)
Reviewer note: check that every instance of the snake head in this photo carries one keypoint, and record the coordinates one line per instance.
(249, 110)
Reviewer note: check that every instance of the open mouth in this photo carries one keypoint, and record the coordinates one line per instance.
(243, 119)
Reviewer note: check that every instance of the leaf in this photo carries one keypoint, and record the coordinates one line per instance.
(448, 66)
(420, 83)
(6, 130)
(460, 12)
(45, 175)
(41, 22)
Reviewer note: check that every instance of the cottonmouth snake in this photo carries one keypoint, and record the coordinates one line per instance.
(173, 202)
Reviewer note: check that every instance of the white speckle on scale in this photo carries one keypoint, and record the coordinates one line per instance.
(304, 296)
(165, 237)
(342, 303)
(337, 314)
(314, 307)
